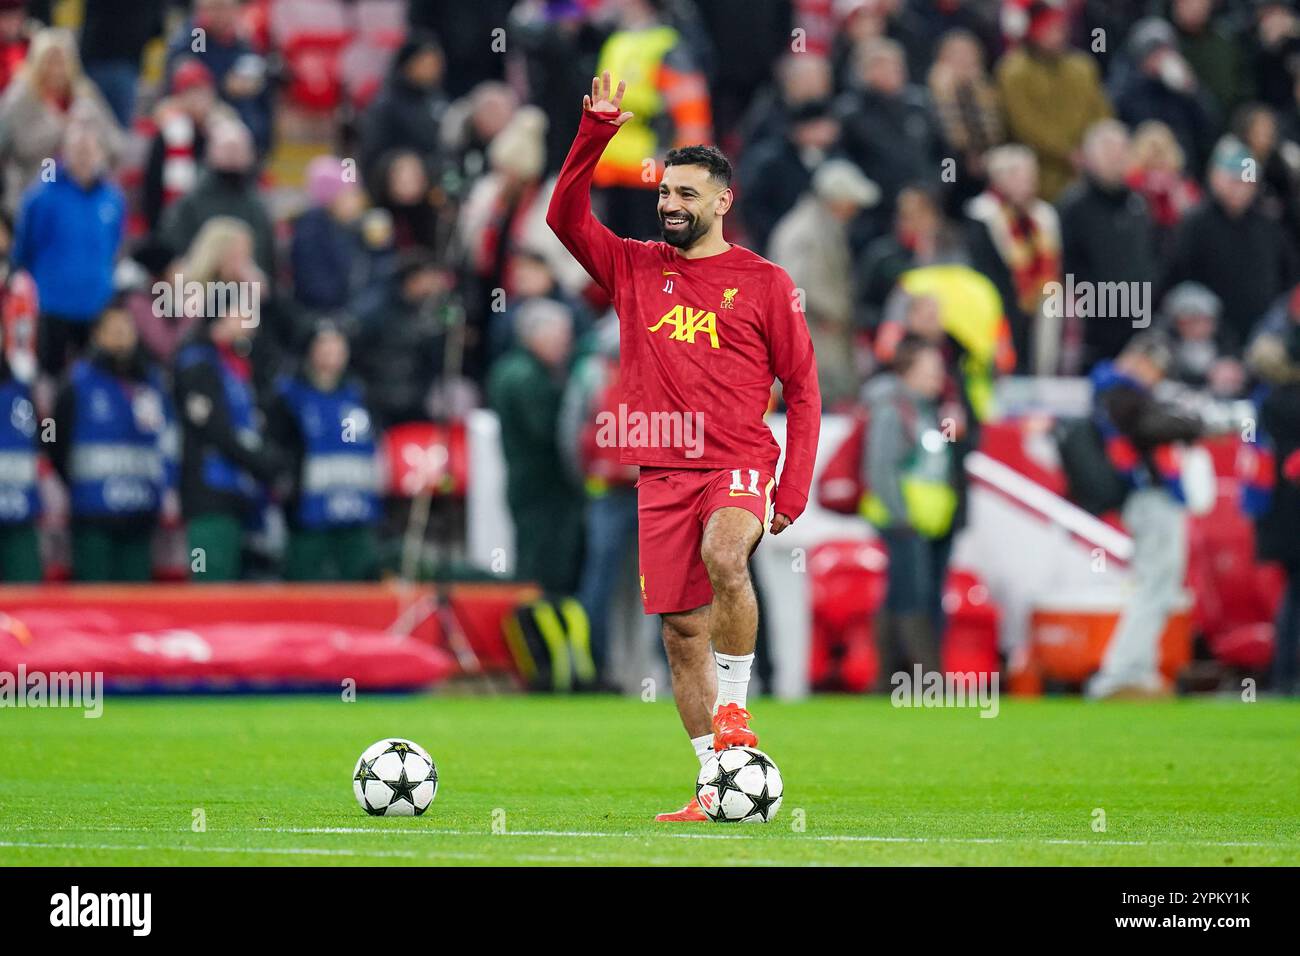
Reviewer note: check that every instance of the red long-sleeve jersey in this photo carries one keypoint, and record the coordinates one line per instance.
(702, 338)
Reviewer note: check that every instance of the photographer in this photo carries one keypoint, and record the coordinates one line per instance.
(1141, 434)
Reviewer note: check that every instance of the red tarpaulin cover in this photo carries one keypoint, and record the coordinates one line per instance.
(140, 649)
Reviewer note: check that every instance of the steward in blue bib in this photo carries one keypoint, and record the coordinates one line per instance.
(20, 505)
(225, 464)
(319, 419)
(115, 451)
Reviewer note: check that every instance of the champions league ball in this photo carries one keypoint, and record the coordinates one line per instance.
(739, 785)
(395, 778)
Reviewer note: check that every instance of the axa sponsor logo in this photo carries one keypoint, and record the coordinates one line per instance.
(687, 323)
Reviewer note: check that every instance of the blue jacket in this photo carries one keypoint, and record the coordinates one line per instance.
(325, 257)
(19, 500)
(67, 237)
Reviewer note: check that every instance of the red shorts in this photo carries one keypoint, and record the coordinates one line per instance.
(673, 506)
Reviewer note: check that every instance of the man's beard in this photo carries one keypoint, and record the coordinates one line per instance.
(685, 237)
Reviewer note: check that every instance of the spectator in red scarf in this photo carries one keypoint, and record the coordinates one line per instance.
(1158, 176)
(180, 145)
(1026, 233)
(239, 70)
(227, 187)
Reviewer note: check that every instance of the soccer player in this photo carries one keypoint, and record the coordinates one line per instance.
(705, 327)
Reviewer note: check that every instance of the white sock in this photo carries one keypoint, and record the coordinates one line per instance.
(703, 747)
(733, 678)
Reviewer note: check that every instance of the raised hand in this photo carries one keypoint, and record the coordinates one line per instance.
(601, 100)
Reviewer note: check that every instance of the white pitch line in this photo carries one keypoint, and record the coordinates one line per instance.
(596, 834)
(827, 838)
(432, 857)
(287, 851)
(573, 834)
(849, 838)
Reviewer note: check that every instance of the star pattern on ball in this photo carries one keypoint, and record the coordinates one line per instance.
(399, 747)
(761, 760)
(725, 780)
(402, 788)
(366, 771)
(763, 801)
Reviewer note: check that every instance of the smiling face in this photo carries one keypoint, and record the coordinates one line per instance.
(690, 203)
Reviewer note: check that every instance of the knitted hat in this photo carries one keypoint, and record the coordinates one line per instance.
(1148, 35)
(1230, 155)
(325, 180)
(1027, 19)
(1192, 298)
(189, 75)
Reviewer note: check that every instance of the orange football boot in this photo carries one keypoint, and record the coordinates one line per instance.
(731, 728)
(691, 813)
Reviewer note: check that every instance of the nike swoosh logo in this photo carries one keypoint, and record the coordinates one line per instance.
(667, 273)
(742, 494)
(725, 667)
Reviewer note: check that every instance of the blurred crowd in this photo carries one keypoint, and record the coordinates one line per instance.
(199, 322)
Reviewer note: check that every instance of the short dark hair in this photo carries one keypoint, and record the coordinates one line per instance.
(909, 350)
(414, 260)
(1152, 346)
(710, 157)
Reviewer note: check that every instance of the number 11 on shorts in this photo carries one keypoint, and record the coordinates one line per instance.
(738, 486)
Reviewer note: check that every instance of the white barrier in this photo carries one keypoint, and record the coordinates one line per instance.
(1024, 540)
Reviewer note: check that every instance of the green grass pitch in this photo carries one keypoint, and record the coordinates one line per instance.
(577, 782)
